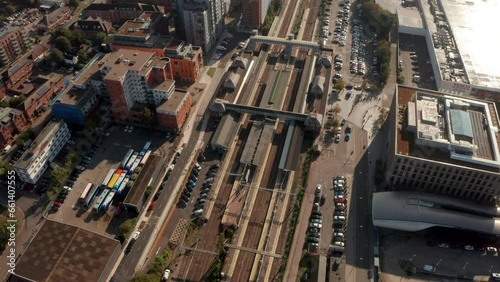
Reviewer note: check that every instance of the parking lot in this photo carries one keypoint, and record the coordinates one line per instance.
(108, 155)
(414, 62)
(449, 263)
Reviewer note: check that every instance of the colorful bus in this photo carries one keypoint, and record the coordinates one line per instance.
(85, 192)
(135, 165)
(115, 177)
(91, 196)
(105, 205)
(145, 158)
(125, 159)
(131, 161)
(123, 185)
(145, 148)
(120, 180)
(108, 177)
(101, 199)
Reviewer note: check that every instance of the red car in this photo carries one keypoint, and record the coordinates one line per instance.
(340, 201)
(152, 205)
(57, 204)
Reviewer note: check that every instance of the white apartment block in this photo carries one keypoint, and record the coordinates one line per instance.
(32, 164)
(203, 22)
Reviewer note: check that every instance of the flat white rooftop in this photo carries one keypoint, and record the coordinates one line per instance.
(475, 26)
(408, 16)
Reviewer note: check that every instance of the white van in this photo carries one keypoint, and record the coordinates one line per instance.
(166, 274)
(198, 212)
(7, 148)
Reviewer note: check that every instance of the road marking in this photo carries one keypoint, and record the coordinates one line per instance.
(116, 144)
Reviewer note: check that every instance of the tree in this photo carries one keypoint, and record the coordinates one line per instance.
(4, 104)
(340, 84)
(59, 176)
(14, 102)
(73, 3)
(56, 56)
(100, 38)
(4, 167)
(335, 123)
(10, 9)
(83, 57)
(126, 227)
(337, 108)
(157, 266)
(148, 116)
(62, 43)
(149, 189)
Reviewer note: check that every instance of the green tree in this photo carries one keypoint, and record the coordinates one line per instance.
(59, 176)
(126, 227)
(10, 9)
(56, 56)
(4, 232)
(148, 116)
(145, 278)
(149, 190)
(340, 84)
(14, 102)
(157, 266)
(4, 103)
(25, 136)
(335, 123)
(73, 3)
(100, 38)
(62, 43)
(4, 167)
(83, 57)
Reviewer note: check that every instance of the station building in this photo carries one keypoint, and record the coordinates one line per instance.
(43, 150)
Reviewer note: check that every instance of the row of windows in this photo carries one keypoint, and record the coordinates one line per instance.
(442, 177)
(406, 164)
(486, 195)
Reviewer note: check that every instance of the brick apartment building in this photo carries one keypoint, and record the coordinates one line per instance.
(38, 93)
(254, 12)
(12, 122)
(185, 59)
(14, 41)
(133, 80)
(119, 12)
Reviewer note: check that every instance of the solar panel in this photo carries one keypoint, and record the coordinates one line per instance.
(461, 123)
(43, 90)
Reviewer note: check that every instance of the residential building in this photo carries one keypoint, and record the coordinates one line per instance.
(38, 92)
(203, 22)
(56, 18)
(12, 122)
(444, 144)
(70, 59)
(91, 27)
(186, 60)
(119, 12)
(14, 41)
(254, 12)
(133, 80)
(173, 112)
(19, 71)
(166, 5)
(35, 160)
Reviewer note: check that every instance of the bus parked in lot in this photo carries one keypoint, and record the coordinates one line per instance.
(100, 201)
(145, 148)
(107, 202)
(126, 158)
(85, 192)
(108, 177)
(91, 196)
(115, 177)
(131, 161)
(120, 180)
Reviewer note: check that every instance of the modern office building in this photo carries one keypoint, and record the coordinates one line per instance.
(14, 41)
(42, 151)
(444, 144)
(254, 12)
(203, 22)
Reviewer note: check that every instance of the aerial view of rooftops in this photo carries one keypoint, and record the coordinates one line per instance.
(249, 140)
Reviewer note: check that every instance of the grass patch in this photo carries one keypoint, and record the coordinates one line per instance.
(211, 72)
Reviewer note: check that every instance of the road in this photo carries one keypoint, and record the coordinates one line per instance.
(128, 266)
